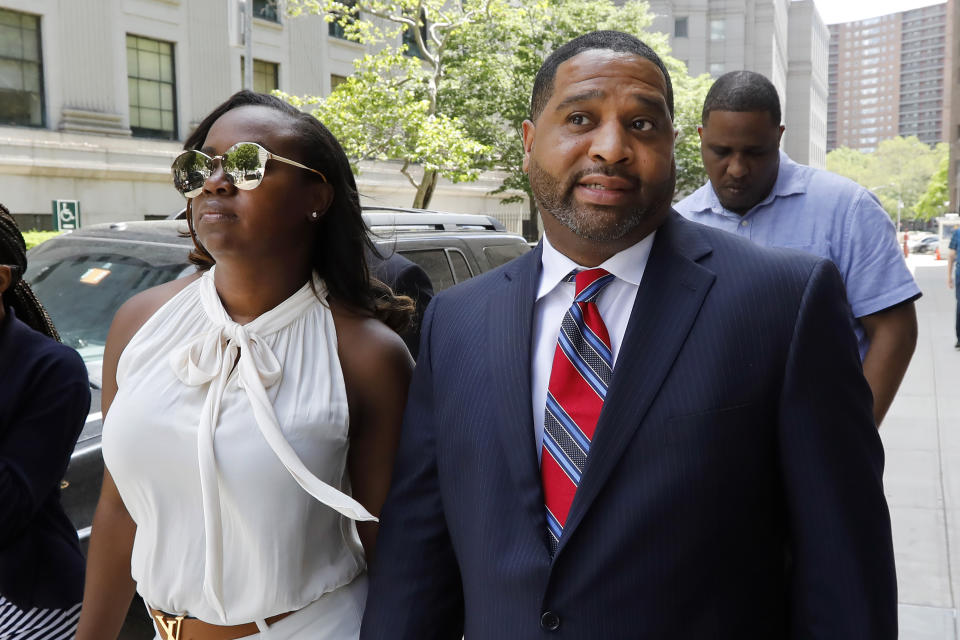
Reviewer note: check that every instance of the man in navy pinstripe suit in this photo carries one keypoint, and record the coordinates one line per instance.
(732, 485)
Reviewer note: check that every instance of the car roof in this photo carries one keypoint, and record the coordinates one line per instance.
(386, 223)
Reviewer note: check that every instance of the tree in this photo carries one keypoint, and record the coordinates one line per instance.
(457, 110)
(388, 108)
(897, 172)
(535, 30)
(934, 201)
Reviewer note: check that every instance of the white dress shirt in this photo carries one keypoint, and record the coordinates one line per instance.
(554, 297)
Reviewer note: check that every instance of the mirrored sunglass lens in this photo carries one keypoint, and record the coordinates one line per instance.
(190, 171)
(244, 164)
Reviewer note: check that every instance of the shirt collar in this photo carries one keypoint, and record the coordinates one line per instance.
(627, 265)
(790, 181)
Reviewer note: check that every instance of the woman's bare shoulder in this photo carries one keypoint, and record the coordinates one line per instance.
(369, 350)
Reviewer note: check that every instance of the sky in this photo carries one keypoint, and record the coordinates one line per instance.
(832, 11)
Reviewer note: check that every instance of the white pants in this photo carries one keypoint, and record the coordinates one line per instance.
(332, 616)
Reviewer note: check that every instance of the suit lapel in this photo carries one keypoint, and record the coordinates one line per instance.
(668, 301)
(509, 338)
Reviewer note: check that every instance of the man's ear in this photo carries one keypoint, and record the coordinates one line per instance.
(6, 277)
(529, 129)
(780, 133)
(700, 132)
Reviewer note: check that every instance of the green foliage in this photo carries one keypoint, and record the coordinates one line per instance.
(934, 201)
(458, 110)
(34, 237)
(898, 172)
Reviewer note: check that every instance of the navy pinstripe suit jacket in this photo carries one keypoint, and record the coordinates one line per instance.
(733, 489)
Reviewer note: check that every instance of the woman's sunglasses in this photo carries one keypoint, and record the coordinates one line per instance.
(243, 164)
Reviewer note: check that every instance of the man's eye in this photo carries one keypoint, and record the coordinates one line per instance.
(578, 119)
(642, 125)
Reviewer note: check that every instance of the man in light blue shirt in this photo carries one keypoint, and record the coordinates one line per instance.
(757, 192)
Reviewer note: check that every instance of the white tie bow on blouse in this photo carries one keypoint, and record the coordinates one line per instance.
(211, 357)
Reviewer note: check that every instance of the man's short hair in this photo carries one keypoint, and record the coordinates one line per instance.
(604, 40)
(742, 91)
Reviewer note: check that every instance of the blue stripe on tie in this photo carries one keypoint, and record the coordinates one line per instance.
(564, 420)
(593, 289)
(554, 525)
(595, 382)
(591, 338)
(557, 454)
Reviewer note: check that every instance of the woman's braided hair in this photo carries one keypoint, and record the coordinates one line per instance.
(19, 296)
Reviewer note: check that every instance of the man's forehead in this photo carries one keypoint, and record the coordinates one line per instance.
(596, 64)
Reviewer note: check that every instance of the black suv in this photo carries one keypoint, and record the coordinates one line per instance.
(84, 276)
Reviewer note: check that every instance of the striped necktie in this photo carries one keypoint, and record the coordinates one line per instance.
(582, 370)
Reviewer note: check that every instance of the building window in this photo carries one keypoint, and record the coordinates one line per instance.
(718, 29)
(21, 70)
(336, 81)
(266, 75)
(410, 39)
(716, 69)
(336, 30)
(680, 28)
(266, 10)
(150, 82)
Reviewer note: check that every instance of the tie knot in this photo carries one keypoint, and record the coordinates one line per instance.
(589, 283)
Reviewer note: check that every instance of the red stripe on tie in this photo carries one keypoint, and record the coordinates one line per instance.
(591, 318)
(558, 488)
(574, 394)
(587, 277)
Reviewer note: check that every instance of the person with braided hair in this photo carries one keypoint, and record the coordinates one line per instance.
(44, 399)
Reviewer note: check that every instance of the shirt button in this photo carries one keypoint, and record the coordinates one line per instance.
(549, 621)
(743, 223)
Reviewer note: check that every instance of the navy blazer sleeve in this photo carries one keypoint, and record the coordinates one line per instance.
(413, 536)
(44, 412)
(843, 578)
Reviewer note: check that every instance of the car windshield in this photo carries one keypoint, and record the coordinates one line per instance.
(82, 284)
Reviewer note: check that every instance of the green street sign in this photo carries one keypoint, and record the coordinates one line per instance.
(66, 215)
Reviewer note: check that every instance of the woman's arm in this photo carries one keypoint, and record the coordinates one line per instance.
(377, 368)
(109, 588)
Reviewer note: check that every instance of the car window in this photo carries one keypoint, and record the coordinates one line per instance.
(460, 268)
(503, 253)
(435, 263)
(83, 286)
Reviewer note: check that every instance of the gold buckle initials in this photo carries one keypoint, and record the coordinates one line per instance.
(170, 629)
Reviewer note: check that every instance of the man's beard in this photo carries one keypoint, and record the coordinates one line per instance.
(557, 200)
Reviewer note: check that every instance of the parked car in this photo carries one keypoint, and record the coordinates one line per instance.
(927, 244)
(83, 277)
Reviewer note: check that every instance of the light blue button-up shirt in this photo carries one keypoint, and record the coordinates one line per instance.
(829, 216)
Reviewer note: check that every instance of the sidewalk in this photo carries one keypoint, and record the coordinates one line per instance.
(921, 434)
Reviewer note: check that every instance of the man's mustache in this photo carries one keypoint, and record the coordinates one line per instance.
(609, 171)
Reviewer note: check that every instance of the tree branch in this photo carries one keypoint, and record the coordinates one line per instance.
(403, 170)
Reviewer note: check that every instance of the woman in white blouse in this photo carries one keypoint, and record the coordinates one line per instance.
(252, 409)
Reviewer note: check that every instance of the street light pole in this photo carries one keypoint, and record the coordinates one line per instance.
(248, 43)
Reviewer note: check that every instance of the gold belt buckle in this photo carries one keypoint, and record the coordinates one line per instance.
(170, 629)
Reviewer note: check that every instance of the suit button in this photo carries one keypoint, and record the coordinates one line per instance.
(549, 621)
